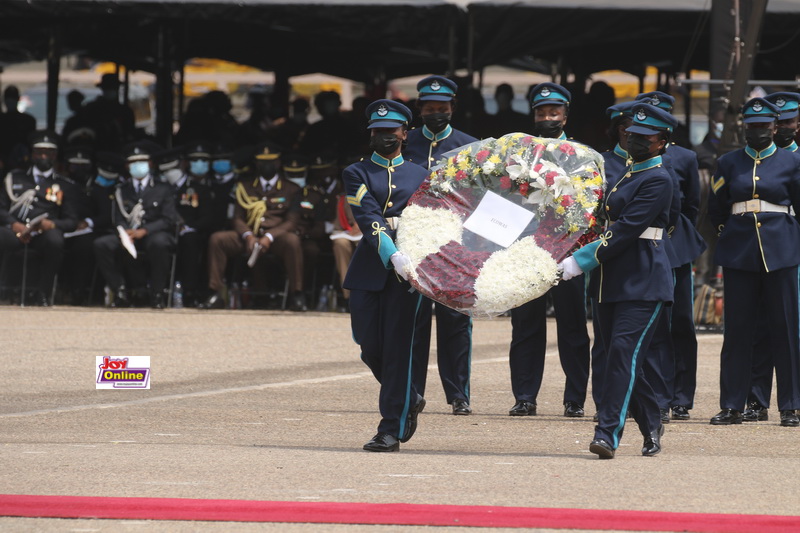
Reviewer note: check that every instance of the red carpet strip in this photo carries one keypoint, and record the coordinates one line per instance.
(385, 513)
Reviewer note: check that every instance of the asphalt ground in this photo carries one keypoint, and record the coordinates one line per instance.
(275, 406)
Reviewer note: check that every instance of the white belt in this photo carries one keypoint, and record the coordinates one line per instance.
(392, 222)
(758, 206)
(654, 234)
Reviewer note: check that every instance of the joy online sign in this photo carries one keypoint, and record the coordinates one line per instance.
(123, 373)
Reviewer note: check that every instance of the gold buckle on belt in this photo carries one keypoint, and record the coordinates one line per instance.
(752, 206)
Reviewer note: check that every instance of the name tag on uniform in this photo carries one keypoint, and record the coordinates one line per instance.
(278, 200)
(498, 220)
(306, 205)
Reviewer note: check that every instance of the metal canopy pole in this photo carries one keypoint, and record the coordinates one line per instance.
(164, 112)
(745, 66)
(53, 65)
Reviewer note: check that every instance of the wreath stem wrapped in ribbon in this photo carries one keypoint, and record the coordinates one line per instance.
(486, 230)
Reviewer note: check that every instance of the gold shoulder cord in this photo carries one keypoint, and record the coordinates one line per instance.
(255, 207)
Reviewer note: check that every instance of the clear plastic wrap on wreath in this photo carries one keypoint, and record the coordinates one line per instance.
(485, 231)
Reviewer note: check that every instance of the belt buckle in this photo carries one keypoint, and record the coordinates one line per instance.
(753, 206)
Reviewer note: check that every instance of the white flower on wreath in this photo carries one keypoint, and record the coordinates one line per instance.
(539, 193)
(562, 185)
(520, 170)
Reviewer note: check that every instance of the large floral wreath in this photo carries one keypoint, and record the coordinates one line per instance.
(559, 183)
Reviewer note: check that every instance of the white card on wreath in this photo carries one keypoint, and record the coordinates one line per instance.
(498, 220)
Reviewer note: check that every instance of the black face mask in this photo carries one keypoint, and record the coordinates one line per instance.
(267, 169)
(758, 138)
(638, 147)
(549, 129)
(436, 122)
(43, 165)
(384, 143)
(784, 137)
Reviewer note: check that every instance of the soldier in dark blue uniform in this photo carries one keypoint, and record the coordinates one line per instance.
(37, 206)
(754, 190)
(195, 210)
(617, 162)
(145, 210)
(635, 282)
(453, 329)
(550, 103)
(384, 312)
(673, 372)
(761, 384)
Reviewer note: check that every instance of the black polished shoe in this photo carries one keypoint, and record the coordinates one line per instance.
(461, 407)
(121, 299)
(789, 419)
(602, 449)
(523, 408)
(755, 412)
(411, 419)
(726, 417)
(680, 412)
(382, 442)
(652, 442)
(573, 410)
(214, 301)
(298, 303)
(664, 416)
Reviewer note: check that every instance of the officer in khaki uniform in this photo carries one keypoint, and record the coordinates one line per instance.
(313, 203)
(263, 216)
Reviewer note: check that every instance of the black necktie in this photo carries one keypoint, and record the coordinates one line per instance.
(138, 189)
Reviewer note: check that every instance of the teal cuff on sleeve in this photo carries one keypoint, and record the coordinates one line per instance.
(586, 256)
(386, 248)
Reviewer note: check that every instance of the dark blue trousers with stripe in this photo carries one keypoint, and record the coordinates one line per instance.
(627, 330)
(743, 294)
(385, 326)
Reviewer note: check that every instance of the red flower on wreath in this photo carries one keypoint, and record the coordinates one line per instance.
(527, 140)
(523, 189)
(505, 182)
(550, 178)
(538, 150)
(460, 175)
(567, 201)
(482, 156)
(567, 149)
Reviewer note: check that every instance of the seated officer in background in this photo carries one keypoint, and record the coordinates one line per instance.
(144, 210)
(37, 206)
(314, 204)
(436, 103)
(263, 217)
(95, 221)
(195, 219)
(222, 183)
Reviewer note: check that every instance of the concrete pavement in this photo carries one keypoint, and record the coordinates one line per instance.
(276, 406)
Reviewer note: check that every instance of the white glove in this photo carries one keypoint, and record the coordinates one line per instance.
(569, 268)
(401, 263)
